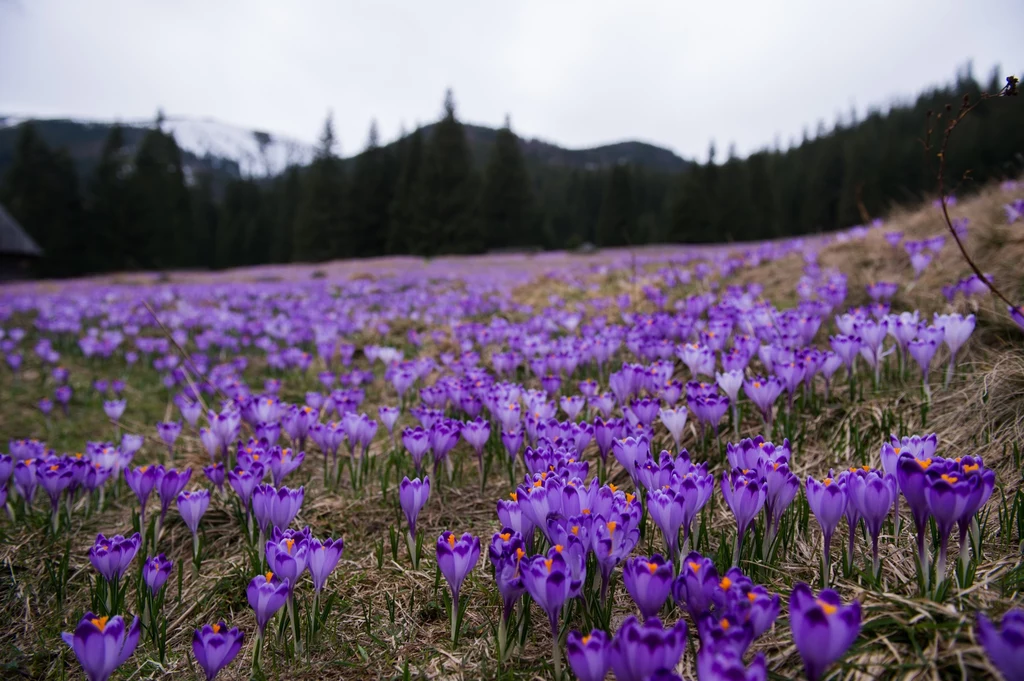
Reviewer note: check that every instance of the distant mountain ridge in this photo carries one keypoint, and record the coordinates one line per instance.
(234, 151)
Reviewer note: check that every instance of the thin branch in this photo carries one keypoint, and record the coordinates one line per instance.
(184, 356)
(1009, 90)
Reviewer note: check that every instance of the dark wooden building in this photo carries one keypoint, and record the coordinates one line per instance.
(17, 249)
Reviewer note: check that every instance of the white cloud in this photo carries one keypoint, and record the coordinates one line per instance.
(581, 73)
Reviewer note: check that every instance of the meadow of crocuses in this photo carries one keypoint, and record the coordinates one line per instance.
(796, 459)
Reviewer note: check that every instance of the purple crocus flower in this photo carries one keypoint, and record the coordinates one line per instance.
(512, 439)
(55, 477)
(972, 466)
(287, 554)
(192, 506)
(456, 557)
(641, 650)
(911, 475)
(696, 584)
(114, 409)
(323, 558)
(823, 628)
(763, 392)
(417, 442)
(112, 556)
(6, 469)
(25, 479)
(155, 572)
(215, 646)
(745, 494)
(476, 433)
(923, 351)
(1004, 644)
(947, 496)
(872, 495)
(648, 582)
(169, 432)
(169, 487)
(412, 496)
(190, 410)
(714, 664)
(781, 486)
(674, 420)
(244, 482)
(725, 632)
(588, 655)
(547, 581)
(284, 505)
(956, 329)
(266, 594)
(505, 553)
(102, 644)
(389, 416)
(215, 474)
(45, 406)
(1017, 315)
(283, 462)
(667, 509)
(827, 499)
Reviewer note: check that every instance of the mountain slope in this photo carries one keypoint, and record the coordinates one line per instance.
(233, 151)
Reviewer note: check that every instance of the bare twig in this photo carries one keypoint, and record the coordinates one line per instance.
(966, 107)
(184, 356)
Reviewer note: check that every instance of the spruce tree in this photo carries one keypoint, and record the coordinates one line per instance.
(371, 192)
(107, 210)
(616, 224)
(402, 213)
(41, 192)
(321, 230)
(245, 226)
(506, 200)
(446, 194)
(735, 209)
(205, 220)
(283, 200)
(161, 233)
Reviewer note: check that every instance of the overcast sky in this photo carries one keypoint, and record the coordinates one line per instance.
(677, 73)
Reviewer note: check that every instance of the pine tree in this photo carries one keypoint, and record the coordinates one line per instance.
(370, 196)
(402, 213)
(41, 192)
(321, 230)
(245, 226)
(506, 200)
(161, 234)
(735, 209)
(446, 194)
(107, 210)
(205, 220)
(616, 225)
(283, 200)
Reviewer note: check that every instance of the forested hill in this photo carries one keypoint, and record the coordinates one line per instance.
(455, 188)
(233, 152)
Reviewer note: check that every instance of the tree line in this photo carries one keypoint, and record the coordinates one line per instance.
(424, 195)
